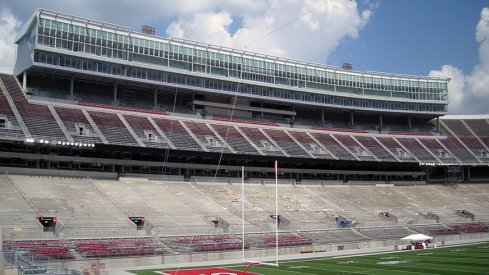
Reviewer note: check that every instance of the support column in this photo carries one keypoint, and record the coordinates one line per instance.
(24, 81)
(72, 85)
(155, 99)
(352, 122)
(115, 102)
(409, 123)
(438, 124)
(322, 117)
(380, 123)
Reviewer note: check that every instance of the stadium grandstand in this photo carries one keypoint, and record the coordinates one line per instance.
(121, 144)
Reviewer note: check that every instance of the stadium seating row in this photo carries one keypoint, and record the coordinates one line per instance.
(45, 250)
(105, 125)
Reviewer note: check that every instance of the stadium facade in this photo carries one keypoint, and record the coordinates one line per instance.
(104, 98)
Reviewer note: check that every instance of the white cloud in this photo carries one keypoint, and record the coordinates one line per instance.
(469, 94)
(301, 29)
(9, 26)
(134, 13)
(204, 26)
(456, 87)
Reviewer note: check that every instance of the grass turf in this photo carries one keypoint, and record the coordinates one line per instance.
(468, 259)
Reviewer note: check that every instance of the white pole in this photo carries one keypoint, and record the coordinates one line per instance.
(1, 251)
(242, 212)
(276, 213)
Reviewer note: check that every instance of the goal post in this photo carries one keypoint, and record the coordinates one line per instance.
(275, 261)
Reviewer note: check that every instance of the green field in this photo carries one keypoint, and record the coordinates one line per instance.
(468, 259)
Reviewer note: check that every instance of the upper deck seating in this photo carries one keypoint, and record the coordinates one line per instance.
(309, 143)
(416, 149)
(37, 118)
(457, 127)
(206, 137)
(244, 121)
(177, 134)
(121, 108)
(334, 147)
(146, 132)
(465, 136)
(375, 148)
(13, 129)
(354, 147)
(72, 118)
(112, 128)
(476, 147)
(261, 141)
(13, 87)
(399, 133)
(480, 127)
(396, 149)
(458, 150)
(286, 143)
(339, 130)
(39, 121)
(437, 150)
(234, 139)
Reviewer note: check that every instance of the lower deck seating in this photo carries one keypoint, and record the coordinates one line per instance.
(202, 243)
(385, 233)
(333, 236)
(263, 240)
(101, 248)
(46, 250)
(474, 227)
(41, 250)
(435, 229)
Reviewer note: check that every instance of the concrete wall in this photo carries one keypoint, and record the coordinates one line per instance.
(57, 173)
(358, 182)
(154, 177)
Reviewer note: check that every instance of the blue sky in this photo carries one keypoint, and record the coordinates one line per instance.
(415, 36)
(421, 37)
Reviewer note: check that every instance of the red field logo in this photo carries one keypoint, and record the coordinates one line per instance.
(206, 271)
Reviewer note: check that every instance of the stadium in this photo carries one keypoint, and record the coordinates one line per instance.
(123, 150)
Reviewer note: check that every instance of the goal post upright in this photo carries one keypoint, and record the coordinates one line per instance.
(242, 213)
(277, 221)
(276, 211)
